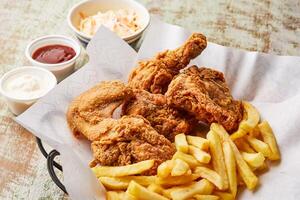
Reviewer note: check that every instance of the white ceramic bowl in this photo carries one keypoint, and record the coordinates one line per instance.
(91, 7)
(60, 70)
(17, 104)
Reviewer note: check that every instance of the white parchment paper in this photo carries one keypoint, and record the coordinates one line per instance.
(271, 83)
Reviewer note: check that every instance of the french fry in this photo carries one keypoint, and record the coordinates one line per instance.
(255, 132)
(167, 192)
(259, 146)
(243, 145)
(180, 168)
(218, 157)
(176, 180)
(263, 167)
(114, 195)
(206, 197)
(224, 195)
(200, 155)
(230, 164)
(129, 197)
(255, 160)
(155, 188)
(186, 158)
(189, 172)
(181, 143)
(111, 183)
(199, 142)
(249, 121)
(141, 192)
(165, 168)
(240, 180)
(246, 173)
(127, 170)
(121, 183)
(269, 138)
(210, 175)
(201, 187)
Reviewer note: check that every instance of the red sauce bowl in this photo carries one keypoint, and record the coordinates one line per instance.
(59, 66)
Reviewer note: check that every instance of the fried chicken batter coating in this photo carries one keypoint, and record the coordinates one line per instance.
(204, 93)
(155, 75)
(163, 118)
(116, 142)
(132, 140)
(95, 105)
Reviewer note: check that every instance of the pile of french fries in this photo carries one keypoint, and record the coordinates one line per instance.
(208, 168)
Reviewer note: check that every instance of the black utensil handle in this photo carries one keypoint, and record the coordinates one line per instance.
(50, 164)
(45, 154)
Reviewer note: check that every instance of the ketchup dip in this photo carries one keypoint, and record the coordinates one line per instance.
(53, 54)
(56, 53)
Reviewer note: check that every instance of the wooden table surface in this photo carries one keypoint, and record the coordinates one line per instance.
(257, 25)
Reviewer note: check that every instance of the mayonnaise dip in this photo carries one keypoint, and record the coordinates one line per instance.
(22, 86)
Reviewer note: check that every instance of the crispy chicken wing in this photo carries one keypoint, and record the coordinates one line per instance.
(163, 118)
(204, 93)
(95, 105)
(155, 75)
(121, 141)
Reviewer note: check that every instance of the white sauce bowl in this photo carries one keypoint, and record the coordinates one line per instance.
(18, 104)
(91, 7)
(60, 70)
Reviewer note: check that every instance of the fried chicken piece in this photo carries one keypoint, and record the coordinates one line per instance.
(204, 93)
(163, 118)
(155, 75)
(132, 140)
(95, 105)
(116, 142)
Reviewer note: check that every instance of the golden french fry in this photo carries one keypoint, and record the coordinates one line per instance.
(218, 157)
(246, 173)
(201, 187)
(127, 170)
(249, 121)
(240, 180)
(243, 145)
(199, 142)
(269, 138)
(224, 195)
(259, 146)
(121, 183)
(200, 155)
(129, 197)
(165, 168)
(155, 188)
(255, 132)
(180, 168)
(210, 175)
(111, 183)
(186, 158)
(141, 192)
(189, 172)
(114, 195)
(181, 143)
(230, 164)
(206, 197)
(263, 167)
(167, 192)
(176, 180)
(255, 160)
